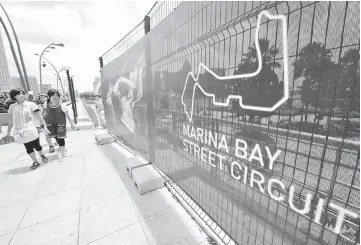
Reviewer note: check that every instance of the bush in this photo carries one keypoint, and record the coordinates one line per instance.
(5, 102)
(87, 95)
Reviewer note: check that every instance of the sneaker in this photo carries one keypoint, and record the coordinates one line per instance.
(60, 157)
(44, 158)
(51, 149)
(34, 166)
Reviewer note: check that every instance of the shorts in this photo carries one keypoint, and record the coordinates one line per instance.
(30, 146)
(58, 131)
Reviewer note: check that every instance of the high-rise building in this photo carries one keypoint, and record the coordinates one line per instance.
(5, 79)
(46, 87)
(16, 83)
(33, 83)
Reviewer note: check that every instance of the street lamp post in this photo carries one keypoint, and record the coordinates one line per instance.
(57, 73)
(41, 55)
(64, 68)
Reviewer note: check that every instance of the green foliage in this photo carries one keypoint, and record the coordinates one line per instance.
(350, 79)
(327, 85)
(87, 95)
(318, 72)
(263, 89)
(5, 102)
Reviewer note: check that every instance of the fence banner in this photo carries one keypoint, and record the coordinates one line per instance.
(256, 111)
(123, 92)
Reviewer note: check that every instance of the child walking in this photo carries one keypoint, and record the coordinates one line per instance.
(55, 117)
(26, 115)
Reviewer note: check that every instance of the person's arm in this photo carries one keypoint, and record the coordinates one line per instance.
(69, 118)
(43, 110)
(10, 122)
(10, 125)
(42, 121)
(37, 113)
(64, 108)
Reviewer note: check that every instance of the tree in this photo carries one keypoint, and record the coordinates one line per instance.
(350, 78)
(260, 90)
(5, 102)
(319, 73)
(349, 91)
(87, 95)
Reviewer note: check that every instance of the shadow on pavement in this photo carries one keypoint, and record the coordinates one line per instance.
(21, 170)
(162, 221)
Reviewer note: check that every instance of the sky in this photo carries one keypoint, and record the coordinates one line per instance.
(86, 28)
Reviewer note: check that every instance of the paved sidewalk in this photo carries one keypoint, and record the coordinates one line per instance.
(88, 198)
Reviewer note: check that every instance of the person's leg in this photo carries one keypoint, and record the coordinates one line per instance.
(61, 143)
(30, 150)
(62, 149)
(38, 148)
(51, 146)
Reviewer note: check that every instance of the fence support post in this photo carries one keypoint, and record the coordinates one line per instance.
(174, 131)
(101, 62)
(73, 94)
(149, 90)
(72, 97)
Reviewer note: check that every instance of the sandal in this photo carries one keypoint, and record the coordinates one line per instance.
(44, 158)
(34, 166)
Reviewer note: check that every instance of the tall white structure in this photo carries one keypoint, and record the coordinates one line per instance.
(34, 86)
(5, 79)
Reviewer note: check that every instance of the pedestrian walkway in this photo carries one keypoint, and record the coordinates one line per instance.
(88, 198)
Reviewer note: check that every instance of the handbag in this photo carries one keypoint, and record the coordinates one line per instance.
(25, 134)
(6, 140)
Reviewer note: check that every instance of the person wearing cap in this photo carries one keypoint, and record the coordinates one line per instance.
(30, 96)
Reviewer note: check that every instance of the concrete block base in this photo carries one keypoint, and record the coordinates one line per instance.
(103, 139)
(83, 119)
(147, 179)
(135, 162)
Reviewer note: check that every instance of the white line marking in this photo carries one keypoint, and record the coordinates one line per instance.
(259, 58)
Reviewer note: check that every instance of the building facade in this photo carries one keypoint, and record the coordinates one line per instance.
(46, 87)
(5, 79)
(33, 83)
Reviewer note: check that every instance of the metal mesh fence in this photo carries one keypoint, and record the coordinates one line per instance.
(284, 176)
(160, 10)
(128, 41)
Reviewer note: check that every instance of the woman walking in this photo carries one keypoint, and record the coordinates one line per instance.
(55, 117)
(22, 126)
(99, 106)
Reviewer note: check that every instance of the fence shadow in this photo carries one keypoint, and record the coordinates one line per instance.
(163, 221)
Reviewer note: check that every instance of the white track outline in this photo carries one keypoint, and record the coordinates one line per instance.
(259, 55)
